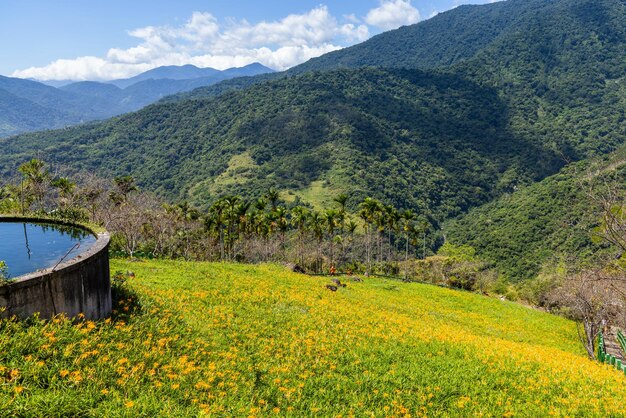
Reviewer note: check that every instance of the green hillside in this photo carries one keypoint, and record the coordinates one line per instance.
(234, 340)
(21, 115)
(557, 64)
(523, 231)
(435, 142)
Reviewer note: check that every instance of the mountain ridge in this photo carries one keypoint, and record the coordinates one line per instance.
(79, 102)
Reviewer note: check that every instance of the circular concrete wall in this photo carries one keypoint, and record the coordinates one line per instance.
(81, 285)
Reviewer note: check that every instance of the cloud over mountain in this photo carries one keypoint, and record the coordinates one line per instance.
(206, 42)
(391, 14)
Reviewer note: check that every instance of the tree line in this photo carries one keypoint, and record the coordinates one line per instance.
(374, 237)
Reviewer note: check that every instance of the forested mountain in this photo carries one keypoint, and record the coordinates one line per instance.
(21, 115)
(558, 64)
(435, 142)
(29, 105)
(443, 40)
(543, 83)
(524, 231)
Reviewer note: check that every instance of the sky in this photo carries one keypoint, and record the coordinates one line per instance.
(111, 39)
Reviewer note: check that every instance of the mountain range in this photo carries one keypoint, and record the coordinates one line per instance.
(471, 107)
(28, 105)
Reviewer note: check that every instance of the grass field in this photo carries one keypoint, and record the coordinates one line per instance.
(318, 194)
(238, 340)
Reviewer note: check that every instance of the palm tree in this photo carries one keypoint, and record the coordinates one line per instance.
(282, 224)
(241, 214)
(299, 216)
(380, 217)
(424, 227)
(260, 204)
(231, 217)
(342, 199)
(66, 189)
(392, 222)
(36, 176)
(125, 185)
(407, 225)
(330, 217)
(218, 213)
(367, 213)
(351, 227)
(272, 196)
(316, 225)
(185, 216)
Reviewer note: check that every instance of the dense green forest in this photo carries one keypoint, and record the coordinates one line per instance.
(558, 65)
(546, 223)
(432, 142)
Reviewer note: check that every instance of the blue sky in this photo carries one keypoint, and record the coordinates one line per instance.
(99, 40)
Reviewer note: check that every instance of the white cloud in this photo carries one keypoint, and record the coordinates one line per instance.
(352, 18)
(203, 41)
(392, 14)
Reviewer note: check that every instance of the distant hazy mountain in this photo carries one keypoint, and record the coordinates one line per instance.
(29, 105)
(172, 72)
(54, 83)
(136, 92)
(21, 115)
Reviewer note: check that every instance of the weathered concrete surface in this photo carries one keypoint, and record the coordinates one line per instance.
(81, 285)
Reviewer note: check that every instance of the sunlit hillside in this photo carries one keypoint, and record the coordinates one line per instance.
(240, 340)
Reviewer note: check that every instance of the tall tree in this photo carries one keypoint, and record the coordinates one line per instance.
(299, 216)
(36, 179)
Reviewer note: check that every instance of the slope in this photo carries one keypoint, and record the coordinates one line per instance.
(21, 115)
(523, 231)
(557, 64)
(32, 106)
(546, 80)
(434, 142)
(442, 40)
(235, 340)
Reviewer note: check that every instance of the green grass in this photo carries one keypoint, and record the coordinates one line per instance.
(238, 340)
(240, 170)
(318, 194)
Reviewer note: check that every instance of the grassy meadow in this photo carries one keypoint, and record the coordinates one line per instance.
(209, 339)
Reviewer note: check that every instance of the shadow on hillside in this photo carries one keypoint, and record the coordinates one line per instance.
(125, 300)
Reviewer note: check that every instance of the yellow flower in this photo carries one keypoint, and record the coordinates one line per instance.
(129, 404)
(64, 373)
(19, 389)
